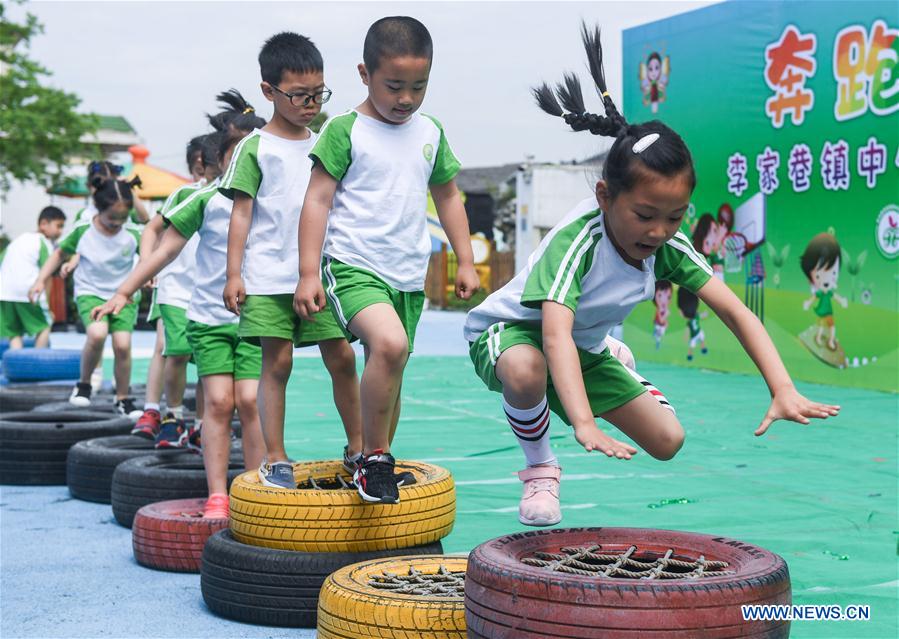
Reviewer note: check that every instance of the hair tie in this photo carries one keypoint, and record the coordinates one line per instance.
(249, 109)
(605, 94)
(645, 142)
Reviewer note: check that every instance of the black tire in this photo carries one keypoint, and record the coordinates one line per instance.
(97, 405)
(161, 477)
(19, 397)
(271, 587)
(34, 446)
(91, 463)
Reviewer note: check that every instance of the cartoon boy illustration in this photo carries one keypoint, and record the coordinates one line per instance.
(821, 264)
(662, 300)
(654, 79)
(688, 304)
(708, 239)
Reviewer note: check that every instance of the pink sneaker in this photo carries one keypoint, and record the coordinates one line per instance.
(540, 498)
(216, 507)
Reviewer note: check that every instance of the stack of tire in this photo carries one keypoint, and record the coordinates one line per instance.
(41, 365)
(282, 545)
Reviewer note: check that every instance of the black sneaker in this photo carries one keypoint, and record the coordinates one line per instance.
(81, 394)
(375, 479)
(194, 439)
(126, 408)
(351, 464)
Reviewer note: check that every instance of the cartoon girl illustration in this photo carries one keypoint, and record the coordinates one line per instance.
(708, 240)
(821, 264)
(688, 304)
(662, 300)
(654, 79)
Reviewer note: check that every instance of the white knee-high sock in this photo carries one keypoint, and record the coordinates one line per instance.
(531, 427)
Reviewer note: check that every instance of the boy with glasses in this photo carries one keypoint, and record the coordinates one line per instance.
(267, 180)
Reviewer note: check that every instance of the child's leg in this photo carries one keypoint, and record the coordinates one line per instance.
(395, 419)
(650, 421)
(340, 360)
(121, 347)
(42, 339)
(200, 397)
(155, 372)
(93, 349)
(219, 399)
(245, 392)
(277, 362)
(175, 382)
(380, 328)
(15, 343)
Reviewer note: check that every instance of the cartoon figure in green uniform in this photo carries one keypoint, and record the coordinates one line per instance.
(821, 264)
(688, 304)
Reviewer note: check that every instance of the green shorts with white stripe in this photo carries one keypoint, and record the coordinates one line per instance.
(351, 289)
(608, 382)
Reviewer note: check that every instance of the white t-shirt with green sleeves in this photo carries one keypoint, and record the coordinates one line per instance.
(275, 172)
(176, 281)
(205, 216)
(378, 220)
(22, 262)
(577, 265)
(105, 260)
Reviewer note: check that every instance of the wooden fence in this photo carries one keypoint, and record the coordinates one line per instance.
(441, 279)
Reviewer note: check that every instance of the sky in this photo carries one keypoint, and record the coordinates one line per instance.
(160, 64)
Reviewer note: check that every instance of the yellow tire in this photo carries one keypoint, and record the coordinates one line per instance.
(336, 519)
(349, 608)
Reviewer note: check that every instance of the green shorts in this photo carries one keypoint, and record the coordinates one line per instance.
(273, 316)
(609, 384)
(174, 322)
(153, 314)
(120, 322)
(22, 318)
(351, 289)
(219, 351)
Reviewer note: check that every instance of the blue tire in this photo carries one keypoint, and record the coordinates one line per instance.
(41, 364)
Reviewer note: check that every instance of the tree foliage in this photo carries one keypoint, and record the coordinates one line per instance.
(40, 129)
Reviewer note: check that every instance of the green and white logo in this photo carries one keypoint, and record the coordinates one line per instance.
(428, 151)
(888, 231)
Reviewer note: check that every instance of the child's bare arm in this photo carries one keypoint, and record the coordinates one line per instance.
(452, 216)
(309, 297)
(149, 237)
(49, 267)
(786, 402)
(238, 231)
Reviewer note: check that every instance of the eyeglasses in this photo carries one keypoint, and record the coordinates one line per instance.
(304, 99)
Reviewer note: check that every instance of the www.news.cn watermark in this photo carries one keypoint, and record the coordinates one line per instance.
(805, 613)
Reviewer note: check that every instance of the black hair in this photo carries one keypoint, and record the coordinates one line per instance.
(211, 143)
(701, 231)
(103, 169)
(396, 36)
(822, 250)
(287, 51)
(194, 148)
(51, 214)
(111, 191)
(687, 302)
(654, 56)
(662, 285)
(238, 114)
(667, 155)
(228, 140)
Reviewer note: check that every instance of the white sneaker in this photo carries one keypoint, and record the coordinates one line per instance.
(81, 395)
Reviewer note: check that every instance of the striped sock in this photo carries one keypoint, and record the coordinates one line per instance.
(531, 427)
(655, 392)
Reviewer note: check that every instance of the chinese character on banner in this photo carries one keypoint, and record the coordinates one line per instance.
(835, 166)
(865, 67)
(767, 163)
(799, 167)
(789, 62)
(736, 173)
(872, 161)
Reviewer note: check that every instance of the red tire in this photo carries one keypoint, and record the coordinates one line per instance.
(508, 599)
(170, 535)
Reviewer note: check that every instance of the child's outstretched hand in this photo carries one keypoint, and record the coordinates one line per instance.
(591, 438)
(34, 293)
(309, 298)
(467, 281)
(234, 294)
(789, 404)
(113, 306)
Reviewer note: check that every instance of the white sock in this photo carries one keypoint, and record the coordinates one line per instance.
(151, 406)
(177, 411)
(531, 427)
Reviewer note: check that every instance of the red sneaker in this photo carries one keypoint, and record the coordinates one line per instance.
(148, 424)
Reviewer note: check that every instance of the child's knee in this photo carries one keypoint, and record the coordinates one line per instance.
(245, 401)
(523, 373)
(393, 348)
(668, 441)
(121, 348)
(220, 404)
(341, 362)
(97, 331)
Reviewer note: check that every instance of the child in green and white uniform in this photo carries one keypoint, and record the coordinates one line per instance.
(228, 367)
(373, 168)
(267, 180)
(108, 246)
(688, 304)
(21, 262)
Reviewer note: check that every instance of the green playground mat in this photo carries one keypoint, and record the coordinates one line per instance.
(822, 496)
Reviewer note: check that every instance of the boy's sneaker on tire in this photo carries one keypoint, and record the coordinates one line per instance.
(126, 408)
(375, 479)
(147, 425)
(194, 432)
(81, 395)
(277, 475)
(172, 433)
(351, 462)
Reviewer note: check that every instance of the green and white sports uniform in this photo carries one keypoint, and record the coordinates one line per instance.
(105, 263)
(21, 263)
(212, 328)
(175, 283)
(377, 246)
(697, 335)
(275, 172)
(577, 265)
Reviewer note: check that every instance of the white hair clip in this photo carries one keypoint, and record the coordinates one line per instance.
(645, 142)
